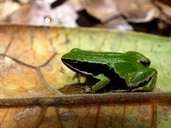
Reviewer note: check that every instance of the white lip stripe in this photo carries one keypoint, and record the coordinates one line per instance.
(83, 72)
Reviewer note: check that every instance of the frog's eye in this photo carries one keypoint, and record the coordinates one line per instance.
(145, 63)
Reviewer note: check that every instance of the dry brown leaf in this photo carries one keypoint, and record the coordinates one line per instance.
(41, 13)
(141, 11)
(165, 8)
(101, 9)
(118, 23)
(5, 11)
(134, 10)
(25, 79)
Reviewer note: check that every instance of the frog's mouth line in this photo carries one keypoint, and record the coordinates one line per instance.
(77, 70)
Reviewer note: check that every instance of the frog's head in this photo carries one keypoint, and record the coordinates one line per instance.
(139, 57)
(72, 57)
(75, 60)
(77, 55)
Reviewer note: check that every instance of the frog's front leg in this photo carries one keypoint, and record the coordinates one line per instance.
(103, 81)
(143, 80)
(149, 86)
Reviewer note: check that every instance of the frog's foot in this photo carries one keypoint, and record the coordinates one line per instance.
(78, 76)
(88, 90)
(85, 89)
(121, 90)
(103, 81)
(149, 86)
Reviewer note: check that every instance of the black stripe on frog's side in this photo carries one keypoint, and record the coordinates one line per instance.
(93, 69)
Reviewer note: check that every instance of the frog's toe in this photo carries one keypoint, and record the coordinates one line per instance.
(87, 90)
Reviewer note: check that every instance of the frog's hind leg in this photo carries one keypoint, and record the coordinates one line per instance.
(103, 81)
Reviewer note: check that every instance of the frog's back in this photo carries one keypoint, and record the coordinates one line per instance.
(95, 57)
(106, 58)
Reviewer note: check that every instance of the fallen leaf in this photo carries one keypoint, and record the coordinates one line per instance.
(41, 13)
(5, 11)
(137, 11)
(28, 81)
(118, 23)
(165, 8)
